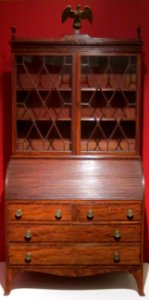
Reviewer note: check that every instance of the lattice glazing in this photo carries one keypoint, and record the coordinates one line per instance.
(108, 100)
(43, 103)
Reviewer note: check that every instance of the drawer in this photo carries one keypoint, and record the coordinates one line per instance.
(115, 212)
(39, 212)
(74, 254)
(74, 233)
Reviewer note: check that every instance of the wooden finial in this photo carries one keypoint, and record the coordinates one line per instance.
(13, 31)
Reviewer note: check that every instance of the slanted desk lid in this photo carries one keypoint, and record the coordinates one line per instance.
(37, 178)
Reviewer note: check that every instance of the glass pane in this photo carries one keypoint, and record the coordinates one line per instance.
(44, 103)
(108, 103)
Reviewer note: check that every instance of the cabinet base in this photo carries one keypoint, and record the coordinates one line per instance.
(74, 272)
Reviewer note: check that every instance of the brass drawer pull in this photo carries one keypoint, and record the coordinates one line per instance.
(28, 257)
(58, 214)
(18, 214)
(117, 235)
(130, 214)
(116, 257)
(90, 214)
(28, 235)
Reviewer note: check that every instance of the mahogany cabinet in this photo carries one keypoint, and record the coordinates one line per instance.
(74, 185)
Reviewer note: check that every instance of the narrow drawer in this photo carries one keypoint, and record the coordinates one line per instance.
(74, 254)
(39, 212)
(111, 212)
(74, 233)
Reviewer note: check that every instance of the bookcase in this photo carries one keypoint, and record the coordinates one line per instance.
(77, 102)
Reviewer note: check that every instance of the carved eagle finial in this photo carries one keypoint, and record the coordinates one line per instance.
(77, 14)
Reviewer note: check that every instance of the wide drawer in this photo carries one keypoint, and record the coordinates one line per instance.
(39, 212)
(74, 233)
(86, 254)
(115, 212)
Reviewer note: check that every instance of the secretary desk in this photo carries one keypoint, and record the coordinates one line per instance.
(74, 189)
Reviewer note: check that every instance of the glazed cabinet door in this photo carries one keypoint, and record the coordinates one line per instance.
(43, 103)
(110, 90)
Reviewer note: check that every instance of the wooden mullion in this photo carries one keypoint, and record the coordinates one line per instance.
(76, 104)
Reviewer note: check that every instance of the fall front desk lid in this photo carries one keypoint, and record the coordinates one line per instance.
(29, 178)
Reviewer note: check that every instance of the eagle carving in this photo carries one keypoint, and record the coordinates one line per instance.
(77, 14)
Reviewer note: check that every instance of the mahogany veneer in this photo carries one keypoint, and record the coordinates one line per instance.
(74, 184)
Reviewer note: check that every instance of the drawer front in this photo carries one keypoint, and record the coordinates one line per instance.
(74, 233)
(119, 212)
(87, 254)
(39, 212)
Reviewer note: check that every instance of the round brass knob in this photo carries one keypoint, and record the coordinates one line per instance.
(28, 257)
(18, 214)
(58, 214)
(116, 257)
(28, 235)
(130, 214)
(90, 214)
(117, 235)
